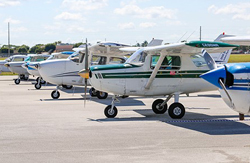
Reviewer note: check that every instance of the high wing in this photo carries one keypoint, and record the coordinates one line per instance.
(192, 47)
(108, 47)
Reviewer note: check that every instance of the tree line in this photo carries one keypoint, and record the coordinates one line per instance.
(37, 49)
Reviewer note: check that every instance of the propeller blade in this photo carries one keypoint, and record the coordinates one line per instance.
(87, 70)
(209, 60)
(226, 92)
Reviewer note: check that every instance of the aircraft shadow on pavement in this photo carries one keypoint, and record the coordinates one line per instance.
(211, 125)
(123, 102)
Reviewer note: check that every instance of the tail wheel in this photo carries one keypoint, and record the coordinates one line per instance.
(38, 86)
(17, 81)
(110, 113)
(55, 94)
(101, 95)
(157, 108)
(176, 110)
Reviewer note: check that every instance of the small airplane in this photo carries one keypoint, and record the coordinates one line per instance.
(233, 80)
(36, 59)
(2, 62)
(14, 65)
(168, 70)
(64, 72)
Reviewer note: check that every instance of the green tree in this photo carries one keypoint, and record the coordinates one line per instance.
(78, 44)
(50, 47)
(5, 50)
(144, 44)
(23, 49)
(39, 48)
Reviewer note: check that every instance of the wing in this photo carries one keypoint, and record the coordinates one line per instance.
(108, 47)
(192, 47)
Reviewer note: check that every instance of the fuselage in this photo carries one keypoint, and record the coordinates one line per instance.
(130, 79)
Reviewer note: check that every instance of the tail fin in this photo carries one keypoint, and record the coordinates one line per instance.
(155, 42)
(221, 58)
(218, 39)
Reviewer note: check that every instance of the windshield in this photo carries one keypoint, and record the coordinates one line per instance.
(137, 58)
(8, 59)
(27, 59)
(75, 54)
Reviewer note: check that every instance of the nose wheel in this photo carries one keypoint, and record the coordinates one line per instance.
(17, 81)
(55, 94)
(110, 112)
(176, 110)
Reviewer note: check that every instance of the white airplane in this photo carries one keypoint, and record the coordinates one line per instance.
(64, 72)
(2, 67)
(168, 70)
(14, 65)
(38, 58)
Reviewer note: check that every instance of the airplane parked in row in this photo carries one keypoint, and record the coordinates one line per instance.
(65, 72)
(233, 82)
(168, 70)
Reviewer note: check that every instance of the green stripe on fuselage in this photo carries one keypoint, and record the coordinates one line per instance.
(160, 74)
(209, 44)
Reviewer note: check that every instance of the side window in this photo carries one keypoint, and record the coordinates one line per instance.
(98, 60)
(169, 62)
(116, 60)
(18, 59)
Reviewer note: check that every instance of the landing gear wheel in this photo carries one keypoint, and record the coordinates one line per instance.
(176, 110)
(38, 86)
(26, 78)
(92, 92)
(67, 86)
(157, 108)
(37, 79)
(101, 95)
(55, 94)
(109, 113)
(17, 81)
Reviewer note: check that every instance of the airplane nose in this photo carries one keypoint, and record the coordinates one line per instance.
(84, 73)
(7, 65)
(34, 66)
(25, 65)
(213, 76)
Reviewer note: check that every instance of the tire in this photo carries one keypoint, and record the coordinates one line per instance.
(37, 79)
(17, 81)
(26, 78)
(92, 92)
(67, 86)
(55, 94)
(110, 114)
(156, 107)
(101, 95)
(38, 86)
(176, 110)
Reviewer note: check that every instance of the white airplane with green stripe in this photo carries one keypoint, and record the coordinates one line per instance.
(165, 70)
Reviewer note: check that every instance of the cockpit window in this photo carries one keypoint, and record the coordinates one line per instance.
(74, 57)
(169, 62)
(17, 59)
(98, 60)
(137, 58)
(198, 60)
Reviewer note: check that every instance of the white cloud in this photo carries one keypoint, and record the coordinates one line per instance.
(19, 29)
(68, 16)
(12, 21)
(5, 3)
(149, 12)
(84, 4)
(174, 22)
(129, 25)
(147, 25)
(238, 11)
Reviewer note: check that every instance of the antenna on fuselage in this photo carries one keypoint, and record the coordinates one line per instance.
(190, 35)
(182, 36)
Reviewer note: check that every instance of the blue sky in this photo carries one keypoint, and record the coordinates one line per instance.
(127, 21)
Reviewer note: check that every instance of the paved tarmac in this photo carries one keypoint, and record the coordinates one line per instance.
(36, 129)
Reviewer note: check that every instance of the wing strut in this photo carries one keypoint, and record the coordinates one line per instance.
(154, 73)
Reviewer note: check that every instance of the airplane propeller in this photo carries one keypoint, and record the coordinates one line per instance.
(223, 82)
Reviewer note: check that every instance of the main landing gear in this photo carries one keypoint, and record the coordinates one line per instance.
(99, 94)
(39, 82)
(176, 110)
(55, 94)
(20, 77)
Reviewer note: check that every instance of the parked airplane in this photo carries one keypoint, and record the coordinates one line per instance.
(65, 72)
(14, 63)
(168, 70)
(233, 83)
(35, 59)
